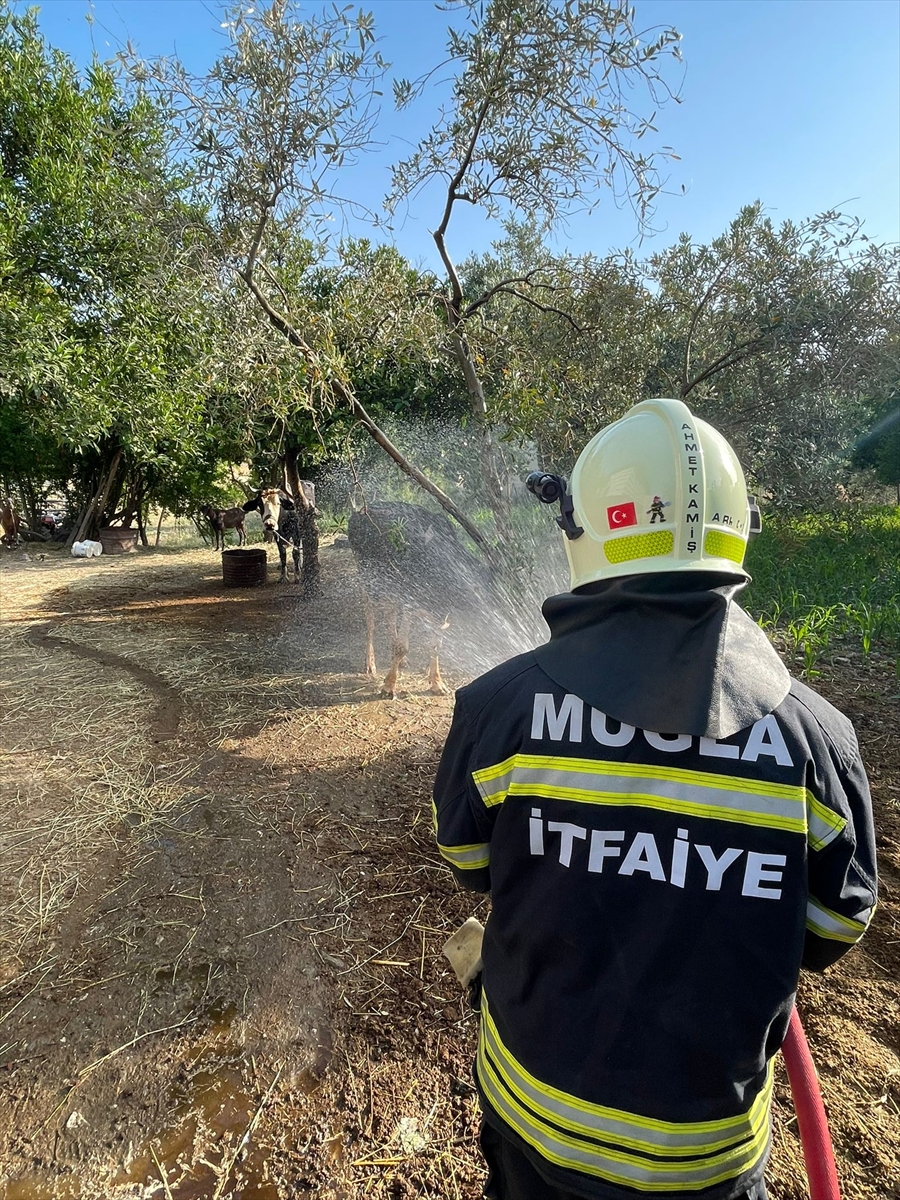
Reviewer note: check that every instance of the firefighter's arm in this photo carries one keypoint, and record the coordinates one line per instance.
(842, 866)
(462, 824)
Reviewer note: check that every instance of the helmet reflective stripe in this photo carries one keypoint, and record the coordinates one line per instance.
(658, 490)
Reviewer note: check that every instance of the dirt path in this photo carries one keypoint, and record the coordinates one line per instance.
(221, 909)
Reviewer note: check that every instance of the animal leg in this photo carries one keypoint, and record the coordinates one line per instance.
(369, 614)
(296, 562)
(282, 554)
(435, 682)
(399, 627)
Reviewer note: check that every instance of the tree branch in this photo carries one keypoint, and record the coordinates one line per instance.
(730, 358)
(499, 287)
(695, 317)
(345, 394)
(547, 308)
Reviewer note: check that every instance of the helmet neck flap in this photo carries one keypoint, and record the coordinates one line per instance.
(668, 652)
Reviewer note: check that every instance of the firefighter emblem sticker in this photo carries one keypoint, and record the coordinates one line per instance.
(656, 510)
(621, 515)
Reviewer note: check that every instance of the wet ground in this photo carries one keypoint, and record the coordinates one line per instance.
(221, 910)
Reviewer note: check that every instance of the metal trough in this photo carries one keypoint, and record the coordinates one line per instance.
(116, 540)
(243, 568)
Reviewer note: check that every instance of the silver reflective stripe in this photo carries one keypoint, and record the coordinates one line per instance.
(824, 825)
(493, 782)
(638, 1133)
(745, 806)
(607, 1163)
(828, 924)
(467, 857)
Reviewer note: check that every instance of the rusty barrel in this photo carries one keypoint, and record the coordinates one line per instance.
(243, 568)
(116, 540)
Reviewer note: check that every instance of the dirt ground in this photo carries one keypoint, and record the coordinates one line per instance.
(221, 910)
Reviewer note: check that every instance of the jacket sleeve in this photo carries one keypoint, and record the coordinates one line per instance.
(461, 821)
(842, 865)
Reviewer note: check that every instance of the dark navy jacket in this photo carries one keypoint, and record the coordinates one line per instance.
(653, 899)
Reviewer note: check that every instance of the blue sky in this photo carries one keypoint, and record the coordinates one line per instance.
(793, 102)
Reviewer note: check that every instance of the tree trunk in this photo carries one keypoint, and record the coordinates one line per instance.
(306, 519)
(97, 504)
(494, 483)
(30, 505)
(117, 493)
(141, 524)
(162, 513)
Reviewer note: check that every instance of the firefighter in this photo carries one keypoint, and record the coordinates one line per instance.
(669, 826)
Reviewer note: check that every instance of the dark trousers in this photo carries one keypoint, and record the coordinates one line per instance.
(512, 1177)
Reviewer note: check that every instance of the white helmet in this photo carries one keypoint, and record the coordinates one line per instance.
(658, 490)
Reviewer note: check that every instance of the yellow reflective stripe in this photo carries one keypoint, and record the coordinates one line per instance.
(486, 774)
(829, 924)
(434, 817)
(719, 544)
(668, 789)
(607, 1163)
(648, 1134)
(824, 824)
(640, 545)
(467, 857)
(728, 783)
(643, 800)
(495, 775)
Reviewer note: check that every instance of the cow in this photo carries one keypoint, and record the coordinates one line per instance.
(280, 524)
(410, 562)
(225, 518)
(10, 522)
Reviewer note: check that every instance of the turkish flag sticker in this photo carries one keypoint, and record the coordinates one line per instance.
(621, 515)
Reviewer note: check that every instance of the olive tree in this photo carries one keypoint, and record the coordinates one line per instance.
(780, 335)
(548, 110)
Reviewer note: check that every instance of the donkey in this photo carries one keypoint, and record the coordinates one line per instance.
(409, 562)
(225, 518)
(280, 524)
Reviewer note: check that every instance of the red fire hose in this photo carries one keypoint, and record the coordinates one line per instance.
(813, 1124)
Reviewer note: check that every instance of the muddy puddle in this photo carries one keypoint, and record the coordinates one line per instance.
(207, 1152)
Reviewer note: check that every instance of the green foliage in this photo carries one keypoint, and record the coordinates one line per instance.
(821, 578)
(571, 357)
(778, 335)
(880, 446)
(103, 344)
